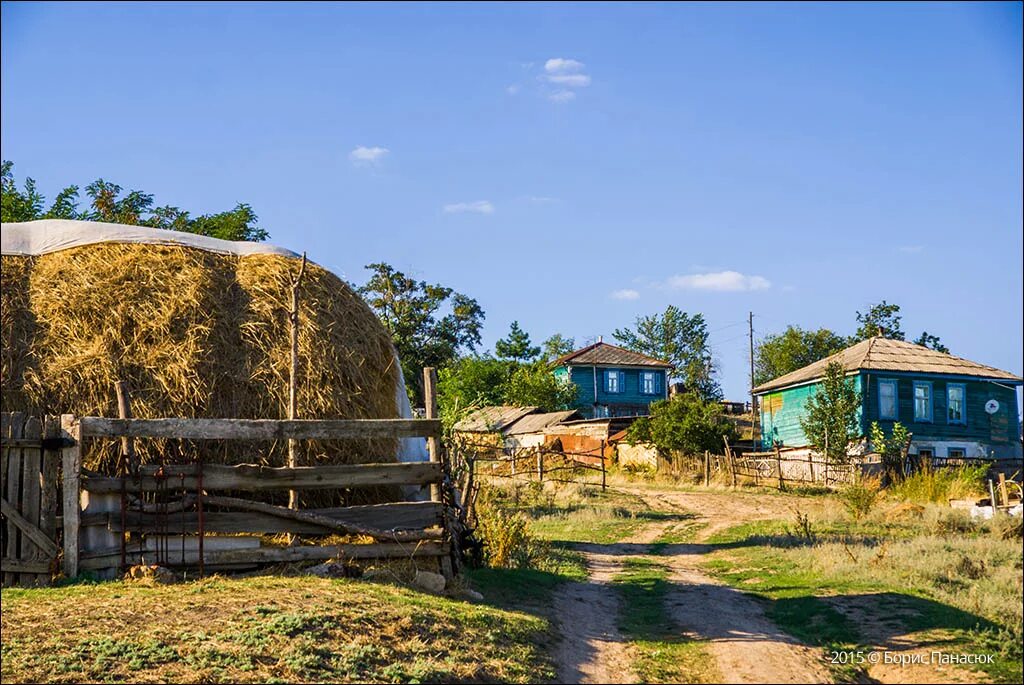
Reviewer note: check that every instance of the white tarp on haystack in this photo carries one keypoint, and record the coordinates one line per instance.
(33, 238)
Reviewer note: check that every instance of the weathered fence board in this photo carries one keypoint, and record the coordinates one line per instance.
(397, 516)
(261, 478)
(26, 498)
(259, 429)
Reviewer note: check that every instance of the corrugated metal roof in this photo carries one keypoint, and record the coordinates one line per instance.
(882, 354)
(534, 423)
(602, 353)
(492, 419)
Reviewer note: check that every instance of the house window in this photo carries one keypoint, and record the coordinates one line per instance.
(955, 404)
(614, 382)
(648, 383)
(922, 401)
(887, 402)
(924, 453)
(956, 453)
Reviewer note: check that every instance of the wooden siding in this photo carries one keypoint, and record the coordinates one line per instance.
(997, 429)
(583, 377)
(781, 413)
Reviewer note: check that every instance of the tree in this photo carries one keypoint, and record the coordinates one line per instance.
(135, 208)
(794, 348)
(893, 450)
(830, 414)
(680, 339)
(930, 341)
(516, 347)
(556, 346)
(880, 319)
(685, 423)
(533, 385)
(430, 324)
(473, 381)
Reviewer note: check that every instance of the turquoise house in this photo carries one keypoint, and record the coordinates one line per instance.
(952, 406)
(613, 381)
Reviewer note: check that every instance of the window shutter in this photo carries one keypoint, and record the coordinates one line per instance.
(657, 383)
(622, 381)
(605, 372)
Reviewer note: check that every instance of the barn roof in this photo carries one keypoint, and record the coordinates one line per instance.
(883, 354)
(605, 354)
(492, 419)
(534, 423)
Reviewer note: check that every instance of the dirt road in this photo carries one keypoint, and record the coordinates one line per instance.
(745, 645)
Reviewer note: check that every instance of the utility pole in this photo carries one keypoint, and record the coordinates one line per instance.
(754, 415)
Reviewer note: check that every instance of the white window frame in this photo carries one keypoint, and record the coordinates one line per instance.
(931, 402)
(894, 384)
(962, 421)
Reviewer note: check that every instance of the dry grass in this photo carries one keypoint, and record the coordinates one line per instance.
(194, 334)
(263, 629)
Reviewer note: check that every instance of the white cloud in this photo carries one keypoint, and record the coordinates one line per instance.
(722, 281)
(478, 207)
(513, 89)
(562, 96)
(541, 199)
(625, 294)
(569, 80)
(559, 65)
(362, 156)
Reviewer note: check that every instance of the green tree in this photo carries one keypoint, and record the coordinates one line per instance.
(106, 203)
(880, 319)
(794, 348)
(930, 341)
(430, 324)
(556, 346)
(681, 339)
(516, 346)
(685, 423)
(892, 449)
(473, 381)
(533, 385)
(830, 414)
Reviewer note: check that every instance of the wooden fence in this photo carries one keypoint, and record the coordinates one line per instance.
(30, 453)
(172, 514)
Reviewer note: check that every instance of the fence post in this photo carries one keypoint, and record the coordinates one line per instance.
(293, 382)
(604, 471)
(732, 461)
(540, 465)
(71, 459)
(810, 465)
(707, 468)
(778, 465)
(430, 404)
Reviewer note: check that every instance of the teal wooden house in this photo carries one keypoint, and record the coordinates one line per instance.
(952, 406)
(613, 381)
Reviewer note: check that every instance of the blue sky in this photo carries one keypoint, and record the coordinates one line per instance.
(571, 166)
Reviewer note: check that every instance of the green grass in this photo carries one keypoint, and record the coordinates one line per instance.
(264, 629)
(896, 574)
(662, 653)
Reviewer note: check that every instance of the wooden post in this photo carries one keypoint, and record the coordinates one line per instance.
(604, 471)
(540, 465)
(1003, 495)
(430, 404)
(707, 468)
(778, 466)
(992, 496)
(732, 461)
(293, 374)
(71, 463)
(124, 411)
(810, 465)
(13, 495)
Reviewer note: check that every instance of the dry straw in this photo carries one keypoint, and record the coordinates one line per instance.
(194, 334)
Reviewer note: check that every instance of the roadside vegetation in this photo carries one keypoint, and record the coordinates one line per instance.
(893, 565)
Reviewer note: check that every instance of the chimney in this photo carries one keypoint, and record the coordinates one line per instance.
(600, 338)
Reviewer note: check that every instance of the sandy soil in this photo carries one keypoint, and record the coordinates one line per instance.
(746, 646)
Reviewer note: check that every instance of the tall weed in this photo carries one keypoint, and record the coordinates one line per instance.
(942, 485)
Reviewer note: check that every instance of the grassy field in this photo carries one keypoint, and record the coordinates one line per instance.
(264, 629)
(844, 584)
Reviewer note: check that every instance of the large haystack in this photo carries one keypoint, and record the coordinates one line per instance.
(195, 333)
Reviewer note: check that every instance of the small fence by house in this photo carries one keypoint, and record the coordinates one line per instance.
(547, 462)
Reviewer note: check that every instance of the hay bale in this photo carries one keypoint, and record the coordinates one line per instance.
(195, 334)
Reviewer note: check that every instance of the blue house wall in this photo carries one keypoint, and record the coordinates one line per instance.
(630, 398)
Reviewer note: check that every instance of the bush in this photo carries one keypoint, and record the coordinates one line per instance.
(953, 522)
(942, 485)
(858, 498)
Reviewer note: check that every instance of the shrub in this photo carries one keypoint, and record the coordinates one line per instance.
(953, 522)
(942, 485)
(858, 498)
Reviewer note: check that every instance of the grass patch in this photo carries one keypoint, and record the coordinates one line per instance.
(264, 629)
(881, 578)
(663, 655)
